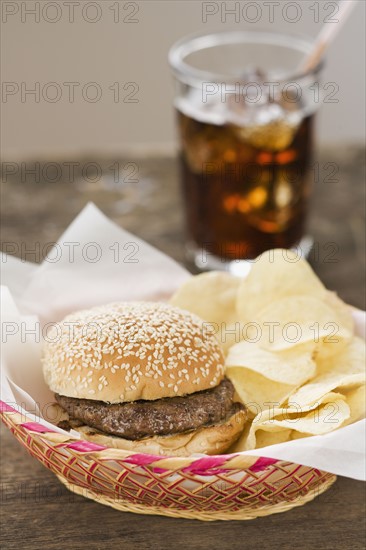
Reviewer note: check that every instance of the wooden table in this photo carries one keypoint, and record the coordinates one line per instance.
(36, 510)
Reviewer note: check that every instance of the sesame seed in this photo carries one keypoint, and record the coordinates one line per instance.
(143, 339)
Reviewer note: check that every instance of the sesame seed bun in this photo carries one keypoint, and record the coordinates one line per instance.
(128, 351)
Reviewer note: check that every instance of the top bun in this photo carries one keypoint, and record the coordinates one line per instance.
(131, 350)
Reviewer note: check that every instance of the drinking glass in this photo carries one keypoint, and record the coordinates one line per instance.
(245, 115)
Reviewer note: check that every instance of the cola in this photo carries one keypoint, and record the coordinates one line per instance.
(245, 174)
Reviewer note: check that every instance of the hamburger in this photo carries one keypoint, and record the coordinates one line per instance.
(142, 376)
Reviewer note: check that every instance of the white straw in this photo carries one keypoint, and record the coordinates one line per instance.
(327, 35)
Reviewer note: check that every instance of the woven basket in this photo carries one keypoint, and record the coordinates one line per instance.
(222, 487)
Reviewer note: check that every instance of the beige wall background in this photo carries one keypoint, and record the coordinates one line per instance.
(108, 42)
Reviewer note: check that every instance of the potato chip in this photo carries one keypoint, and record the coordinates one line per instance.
(229, 334)
(343, 311)
(299, 319)
(255, 439)
(291, 351)
(352, 360)
(211, 296)
(274, 275)
(300, 435)
(255, 390)
(264, 438)
(260, 438)
(291, 409)
(327, 417)
(278, 423)
(356, 400)
(344, 370)
(293, 366)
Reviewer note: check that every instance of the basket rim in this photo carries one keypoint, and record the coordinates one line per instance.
(203, 465)
(298, 483)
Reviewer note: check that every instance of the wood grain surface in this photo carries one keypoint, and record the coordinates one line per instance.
(36, 510)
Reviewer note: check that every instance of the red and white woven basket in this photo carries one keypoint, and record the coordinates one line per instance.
(224, 487)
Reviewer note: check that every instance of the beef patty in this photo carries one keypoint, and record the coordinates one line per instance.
(170, 415)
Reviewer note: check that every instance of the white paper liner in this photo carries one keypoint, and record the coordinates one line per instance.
(127, 268)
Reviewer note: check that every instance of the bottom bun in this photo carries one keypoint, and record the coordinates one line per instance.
(210, 440)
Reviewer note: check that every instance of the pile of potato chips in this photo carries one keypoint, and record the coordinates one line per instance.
(290, 347)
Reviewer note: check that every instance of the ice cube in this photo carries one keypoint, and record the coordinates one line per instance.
(260, 120)
(267, 126)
